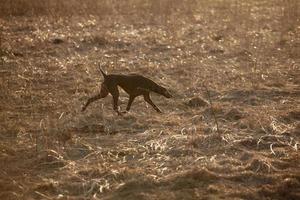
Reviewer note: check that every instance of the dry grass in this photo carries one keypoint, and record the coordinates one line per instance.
(246, 53)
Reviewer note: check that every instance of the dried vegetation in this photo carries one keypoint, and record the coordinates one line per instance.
(231, 131)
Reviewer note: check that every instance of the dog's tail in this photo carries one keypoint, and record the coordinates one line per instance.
(102, 72)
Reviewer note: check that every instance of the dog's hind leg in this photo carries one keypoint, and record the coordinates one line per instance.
(103, 93)
(115, 94)
(148, 100)
(91, 100)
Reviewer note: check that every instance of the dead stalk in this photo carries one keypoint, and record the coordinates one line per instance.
(211, 108)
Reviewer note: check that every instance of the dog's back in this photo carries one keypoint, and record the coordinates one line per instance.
(132, 82)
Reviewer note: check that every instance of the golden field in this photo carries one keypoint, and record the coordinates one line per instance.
(231, 130)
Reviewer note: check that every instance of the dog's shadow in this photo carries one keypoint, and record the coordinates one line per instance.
(111, 123)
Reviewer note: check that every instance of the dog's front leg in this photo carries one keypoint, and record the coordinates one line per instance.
(131, 98)
(148, 100)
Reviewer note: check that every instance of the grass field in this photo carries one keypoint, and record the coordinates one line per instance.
(231, 130)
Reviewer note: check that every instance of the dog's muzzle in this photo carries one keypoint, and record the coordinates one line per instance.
(167, 94)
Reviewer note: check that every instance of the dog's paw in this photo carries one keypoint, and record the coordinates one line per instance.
(119, 113)
(83, 109)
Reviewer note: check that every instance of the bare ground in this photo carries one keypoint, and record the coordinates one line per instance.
(248, 61)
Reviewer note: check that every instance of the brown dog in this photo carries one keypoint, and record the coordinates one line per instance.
(134, 84)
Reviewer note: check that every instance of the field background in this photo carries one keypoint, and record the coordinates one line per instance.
(231, 131)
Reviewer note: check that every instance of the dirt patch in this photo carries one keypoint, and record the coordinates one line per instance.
(197, 102)
(234, 114)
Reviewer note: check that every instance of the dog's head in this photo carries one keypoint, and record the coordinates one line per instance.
(165, 92)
